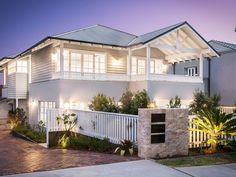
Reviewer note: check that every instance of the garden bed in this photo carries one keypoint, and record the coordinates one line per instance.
(211, 159)
(27, 133)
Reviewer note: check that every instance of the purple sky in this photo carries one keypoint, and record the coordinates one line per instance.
(24, 22)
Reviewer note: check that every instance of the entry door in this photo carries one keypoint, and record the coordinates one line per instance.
(43, 106)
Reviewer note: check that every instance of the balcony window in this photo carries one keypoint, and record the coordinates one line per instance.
(191, 71)
(138, 66)
(76, 62)
(88, 63)
(11, 67)
(22, 66)
(66, 60)
(156, 67)
(99, 63)
(141, 66)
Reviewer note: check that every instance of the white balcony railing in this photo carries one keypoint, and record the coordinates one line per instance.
(125, 77)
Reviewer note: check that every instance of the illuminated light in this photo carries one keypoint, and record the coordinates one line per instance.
(33, 103)
(152, 105)
(116, 62)
(66, 105)
(119, 103)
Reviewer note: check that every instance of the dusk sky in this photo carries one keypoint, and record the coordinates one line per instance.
(25, 22)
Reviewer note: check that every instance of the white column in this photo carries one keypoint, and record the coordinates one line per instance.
(129, 65)
(61, 59)
(148, 61)
(17, 103)
(201, 66)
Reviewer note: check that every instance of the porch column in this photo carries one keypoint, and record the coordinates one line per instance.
(17, 104)
(201, 66)
(129, 65)
(148, 61)
(62, 59)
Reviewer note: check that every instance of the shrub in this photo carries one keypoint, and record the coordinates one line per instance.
(17, 117)
(140, 100)
(203, 102)
(39, 137)
(215, 123)
(174, 102)
(86, 143)
(103, 103)
(126, 148)
(126, 101)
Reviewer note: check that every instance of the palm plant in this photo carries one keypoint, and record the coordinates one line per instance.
(215, 123)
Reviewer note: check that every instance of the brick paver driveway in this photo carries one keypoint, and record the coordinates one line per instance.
(18, 156)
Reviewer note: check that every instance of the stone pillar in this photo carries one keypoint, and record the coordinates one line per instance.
(173, 140)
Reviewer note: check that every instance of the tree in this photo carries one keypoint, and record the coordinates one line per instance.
(215, 123)
(202, 101)
(126, 100)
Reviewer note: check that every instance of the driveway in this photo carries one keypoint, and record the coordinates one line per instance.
(141, 168)
(226, 170)
(20, 156)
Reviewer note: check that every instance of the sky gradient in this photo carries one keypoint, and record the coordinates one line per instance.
(25, 22)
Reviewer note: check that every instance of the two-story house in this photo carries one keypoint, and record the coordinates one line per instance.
(68, 69)
(218, 72)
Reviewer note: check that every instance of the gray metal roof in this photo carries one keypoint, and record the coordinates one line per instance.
(154, 34)
(99, 34)
(222, 47)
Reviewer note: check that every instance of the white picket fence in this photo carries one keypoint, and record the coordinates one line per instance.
(114, 126)
(228, 109)
(198, 139)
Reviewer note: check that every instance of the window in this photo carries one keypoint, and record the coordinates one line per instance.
(88, 63)
(156, 67)
(11, 67)
(134, 66)
(22, 66)
(43, 106)
(56, 60)
(99, 63)
(66, 60)
(191, 71)
(76, 62)
(141, 66)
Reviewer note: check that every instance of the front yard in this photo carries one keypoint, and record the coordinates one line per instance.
(212, 159)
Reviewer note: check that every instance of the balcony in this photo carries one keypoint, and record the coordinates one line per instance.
(125, 77)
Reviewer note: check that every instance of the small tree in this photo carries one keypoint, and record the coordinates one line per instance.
(140, 100)
(104, 103)
(202, 101)
(126, 101)
(17, 117)
(174, 102)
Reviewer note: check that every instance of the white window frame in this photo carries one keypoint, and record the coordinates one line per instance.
(22, 66)
(192, 71)
(156, 66)
(136, 68)
(42, 109)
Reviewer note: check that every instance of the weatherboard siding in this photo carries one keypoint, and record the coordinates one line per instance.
(17, 85)
(41, 65)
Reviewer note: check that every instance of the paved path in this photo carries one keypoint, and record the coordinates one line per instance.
(20, 156)
(141, 168)
(227, 170)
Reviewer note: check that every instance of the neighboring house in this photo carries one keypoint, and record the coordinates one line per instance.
(68, 69)
(219, 72)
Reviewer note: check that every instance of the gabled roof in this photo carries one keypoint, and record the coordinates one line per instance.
(99, 34)
(142, 39)
(222, 47)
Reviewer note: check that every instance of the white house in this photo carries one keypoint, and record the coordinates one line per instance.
(68, 69)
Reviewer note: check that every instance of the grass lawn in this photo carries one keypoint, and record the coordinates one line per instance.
(212, 159)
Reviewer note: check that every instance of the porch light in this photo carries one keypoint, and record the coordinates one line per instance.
(66, 105)
(116, 61)
(32, 103)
